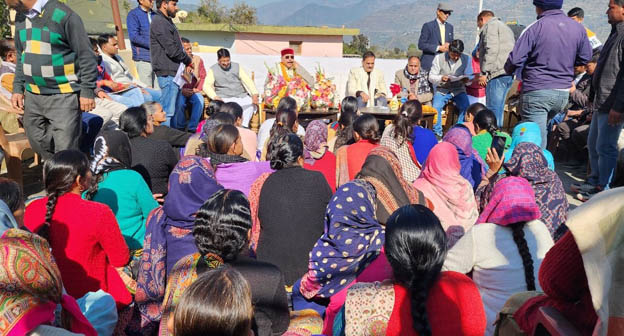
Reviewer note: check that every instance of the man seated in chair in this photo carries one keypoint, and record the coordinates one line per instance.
(229, 82)
(190, 94)
(449, 74)
(8, 120)
(367, 84)
(414, 82)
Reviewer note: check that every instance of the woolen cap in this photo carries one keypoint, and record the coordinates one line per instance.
(444, 7)
(548, 4)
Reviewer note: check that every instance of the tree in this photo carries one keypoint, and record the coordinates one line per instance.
(5, 28)
(412, 46)
(211, 11)
(242, 13)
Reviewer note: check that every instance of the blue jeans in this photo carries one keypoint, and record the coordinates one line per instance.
(603, 150)
(131, 98)
(496, 93)
(197, 108)
(169, 93)
(439, 100)
(152, 95)
(540, 105)
(91, 125)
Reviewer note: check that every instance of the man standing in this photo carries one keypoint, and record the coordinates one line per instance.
(414, 82)
(547, 52)
(367, 84)
(435, 36)
(55, 74)
(496, 41)
(167, 54)
(449, 74)
(229, 82)
(138, 23)
(190, 93)
(607, 94)
(578, 14)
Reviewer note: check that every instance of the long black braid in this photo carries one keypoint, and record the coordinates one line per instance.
(59, 174)
(523, 249)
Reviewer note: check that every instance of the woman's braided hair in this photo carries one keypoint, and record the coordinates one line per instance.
(523, 249)
(59, 174)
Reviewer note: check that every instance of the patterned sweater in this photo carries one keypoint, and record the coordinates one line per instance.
(55, 53)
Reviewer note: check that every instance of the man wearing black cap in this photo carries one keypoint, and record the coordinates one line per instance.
(435, 36)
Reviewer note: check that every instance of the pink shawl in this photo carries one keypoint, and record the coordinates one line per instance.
(451, 194)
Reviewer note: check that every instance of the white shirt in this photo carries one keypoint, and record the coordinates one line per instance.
(36, 9)
(442, 27)
(265, 132)
(435, 74)
(489, 251)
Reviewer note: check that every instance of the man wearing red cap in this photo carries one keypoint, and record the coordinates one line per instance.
(289, 68)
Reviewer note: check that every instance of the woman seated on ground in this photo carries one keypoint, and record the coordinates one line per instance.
(264, 132)
(344, 129)
(85, 238)
(420, 299)
(221, 235)
(31, 288)
(528, 162)
(220, 301)
(290, 208)
(11, 216)
(505, 248)
(451, 194)
(471, 113)
(120, 187)
(176, 138)
(473, 168)
(248, 137)
(216, 119)
(315, 153)
(383, 170)
(285, 122)
(398, 137)
(529, 131)
(578, 270)
(223, 150)
(486, 129)
(153, 159)
(349, 159)
(214, 106)
(168, 235)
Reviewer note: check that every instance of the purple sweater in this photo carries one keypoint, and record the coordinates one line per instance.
(240, 176)
(548, 50)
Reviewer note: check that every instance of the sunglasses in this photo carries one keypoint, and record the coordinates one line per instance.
(289, 57)
(446, 12)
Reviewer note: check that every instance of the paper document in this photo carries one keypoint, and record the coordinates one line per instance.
(179, 78)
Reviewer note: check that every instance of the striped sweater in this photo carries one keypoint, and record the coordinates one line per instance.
(55, 55)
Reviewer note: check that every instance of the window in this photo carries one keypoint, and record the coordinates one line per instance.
(296, 46)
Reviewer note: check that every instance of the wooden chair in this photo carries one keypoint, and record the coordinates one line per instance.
(15, 145)
(551, 322)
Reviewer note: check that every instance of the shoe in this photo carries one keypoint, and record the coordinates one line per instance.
(585, 196)
(584, 187)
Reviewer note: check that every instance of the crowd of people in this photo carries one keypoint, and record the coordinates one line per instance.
(165, 216)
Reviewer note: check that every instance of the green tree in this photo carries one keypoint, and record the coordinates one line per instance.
(5, 28)
(242, 13)
(210, 11)
(412, 46)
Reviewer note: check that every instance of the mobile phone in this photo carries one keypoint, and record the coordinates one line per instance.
(498, 144)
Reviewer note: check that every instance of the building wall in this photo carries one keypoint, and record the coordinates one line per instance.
(271, 44)
(215, 39)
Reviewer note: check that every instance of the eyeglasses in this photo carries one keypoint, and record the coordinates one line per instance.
(289, 57)
(447, 13)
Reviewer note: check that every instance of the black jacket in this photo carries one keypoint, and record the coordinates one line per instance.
(607, 90)
(166, 47)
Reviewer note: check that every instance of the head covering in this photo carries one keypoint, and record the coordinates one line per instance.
(112, 151)
(528, 162)
(7, 221)
(512, 201)
(383, 171)
(444, 7)
(209, 125)
(472, 165)
(548, 4)
(287, 51)
(529, 132)
(353, 238)
(31, 286)
(100, 309)
(450, 193)
(168, 233)
(315, 142)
